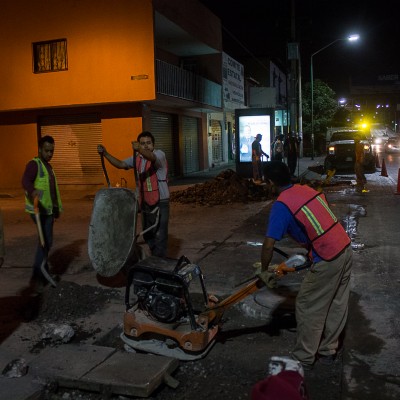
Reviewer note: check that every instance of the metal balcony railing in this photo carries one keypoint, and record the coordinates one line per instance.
(177, 82)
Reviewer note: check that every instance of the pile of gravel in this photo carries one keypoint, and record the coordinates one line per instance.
(69, 301)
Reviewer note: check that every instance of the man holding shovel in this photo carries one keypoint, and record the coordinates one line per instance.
(151, 173)
(43, 203)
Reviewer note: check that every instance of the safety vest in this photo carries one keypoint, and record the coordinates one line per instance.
(42, 184)
(310, 209)
(148, 182)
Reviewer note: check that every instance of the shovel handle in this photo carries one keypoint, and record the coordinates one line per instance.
(104, 169)
(37, 218)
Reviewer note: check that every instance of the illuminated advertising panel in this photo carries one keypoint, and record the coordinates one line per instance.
(249, 123)
(249, 127)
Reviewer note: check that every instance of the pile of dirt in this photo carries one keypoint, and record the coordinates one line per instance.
(227, 187)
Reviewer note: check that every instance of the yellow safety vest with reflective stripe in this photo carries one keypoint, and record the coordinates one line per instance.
(42, 184)
(311, 210)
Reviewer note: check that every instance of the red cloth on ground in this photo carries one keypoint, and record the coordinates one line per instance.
(287, 385)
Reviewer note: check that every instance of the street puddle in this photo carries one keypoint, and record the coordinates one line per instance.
(350, 223)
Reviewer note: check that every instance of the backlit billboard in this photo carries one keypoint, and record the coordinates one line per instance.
(249, 123)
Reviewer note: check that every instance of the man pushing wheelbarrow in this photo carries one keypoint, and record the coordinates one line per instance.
(151, 174)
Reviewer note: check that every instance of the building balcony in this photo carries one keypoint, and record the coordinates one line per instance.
(177, 82)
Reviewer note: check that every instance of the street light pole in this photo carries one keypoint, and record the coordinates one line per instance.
(351, 38)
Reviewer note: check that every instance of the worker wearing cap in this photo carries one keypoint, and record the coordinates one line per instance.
(322, 302)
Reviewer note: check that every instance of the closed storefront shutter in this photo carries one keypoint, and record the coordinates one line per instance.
(162, 128)
(76, 137)
(191, 144)
(216, 141)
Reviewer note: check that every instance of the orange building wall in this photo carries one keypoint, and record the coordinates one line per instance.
(118, 135)
(19, 145)
(108, 42)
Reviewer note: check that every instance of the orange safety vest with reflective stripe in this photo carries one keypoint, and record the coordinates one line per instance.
(148, 182)
(311, 210)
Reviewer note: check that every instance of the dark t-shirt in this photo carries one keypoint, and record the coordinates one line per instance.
(28, 179)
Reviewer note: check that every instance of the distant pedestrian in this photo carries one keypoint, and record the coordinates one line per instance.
(256, 156)
(322, 301)
(278, 148)
(291, 151)
(152, 170)
(361, 180)
(40, 181)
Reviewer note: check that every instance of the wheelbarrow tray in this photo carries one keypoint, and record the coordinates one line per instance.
(112, 230)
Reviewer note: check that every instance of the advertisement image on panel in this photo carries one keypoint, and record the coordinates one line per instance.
(249, 127)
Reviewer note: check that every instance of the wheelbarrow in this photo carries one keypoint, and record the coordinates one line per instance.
(112, 242)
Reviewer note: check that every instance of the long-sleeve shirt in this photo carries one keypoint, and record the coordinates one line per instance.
(28, 179)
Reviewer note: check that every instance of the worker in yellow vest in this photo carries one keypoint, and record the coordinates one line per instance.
(40, 181)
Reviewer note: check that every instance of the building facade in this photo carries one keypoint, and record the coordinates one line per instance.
(90, 72)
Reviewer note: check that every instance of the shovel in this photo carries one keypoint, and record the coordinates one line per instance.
(42, 242)
(105, 170)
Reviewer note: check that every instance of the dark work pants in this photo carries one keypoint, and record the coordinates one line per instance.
(158, 241)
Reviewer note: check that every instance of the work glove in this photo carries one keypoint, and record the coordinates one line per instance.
(267, 277)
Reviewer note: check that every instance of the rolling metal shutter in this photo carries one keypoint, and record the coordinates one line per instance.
(191, 145)
(162, 128)
(76, 137)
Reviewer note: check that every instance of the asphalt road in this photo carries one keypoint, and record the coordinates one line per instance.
(224, 241)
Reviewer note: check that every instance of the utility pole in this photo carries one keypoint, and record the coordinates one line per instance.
(293, 56)
(296, 108)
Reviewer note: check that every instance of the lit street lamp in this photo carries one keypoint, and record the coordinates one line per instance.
(351, 38)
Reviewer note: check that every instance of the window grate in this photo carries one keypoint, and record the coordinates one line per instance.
(50, 56)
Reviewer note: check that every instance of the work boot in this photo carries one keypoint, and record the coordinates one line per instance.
(306, 367)
(331, 358)
(327, 360)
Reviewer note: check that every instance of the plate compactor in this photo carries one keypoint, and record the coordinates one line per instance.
(169, 312)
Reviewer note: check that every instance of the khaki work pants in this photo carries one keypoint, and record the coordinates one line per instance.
(322, 307)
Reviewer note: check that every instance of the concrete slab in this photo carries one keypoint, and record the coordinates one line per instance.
(17, 388)
(24, 388)
(68, 361)
(102, 369)
(127, 374)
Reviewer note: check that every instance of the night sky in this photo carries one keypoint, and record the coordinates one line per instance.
(263, 28)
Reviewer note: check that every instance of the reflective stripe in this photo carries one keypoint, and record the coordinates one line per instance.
(42, 185)
(148, 184)
(311, 210)
(313, 220)
(327, 208)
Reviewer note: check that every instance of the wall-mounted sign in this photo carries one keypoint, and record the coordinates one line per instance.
(232, 82)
